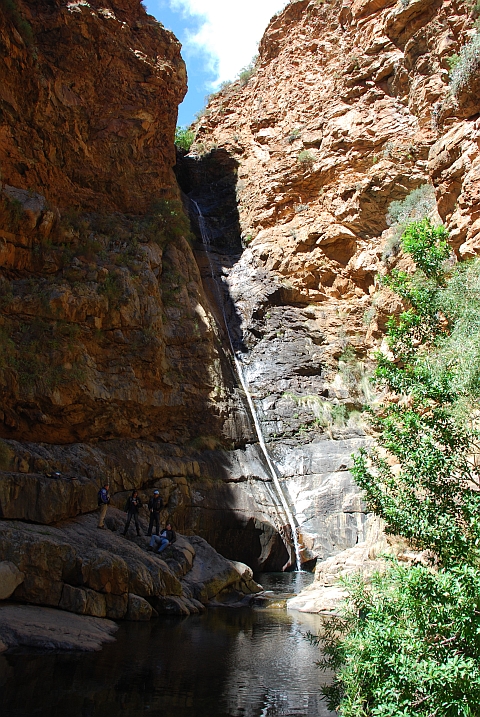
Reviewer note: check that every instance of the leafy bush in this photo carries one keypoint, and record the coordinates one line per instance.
(409, 642)
(412, 645)
(11, 214)
(248, 71)
(165, 222)
(112, 288)
(294, 134)
(467, 66)
(418, 205)
(184, 138)
(306, 157)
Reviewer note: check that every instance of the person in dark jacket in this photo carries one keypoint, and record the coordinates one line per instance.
(132, 507)
(162, 541)
(155, 504)
(103, 501)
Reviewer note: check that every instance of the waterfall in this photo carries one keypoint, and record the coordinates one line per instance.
(239, 367)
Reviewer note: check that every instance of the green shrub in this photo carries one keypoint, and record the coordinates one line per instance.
(11, 214)
(411, 646)
(248, 71)
(294, 134)
(166, 222)
(184, 138)
(419, 204)
(112, 288)
(409, 641)
(306, 157)
(467, 66)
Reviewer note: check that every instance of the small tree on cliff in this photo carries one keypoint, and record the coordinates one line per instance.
(411, 638)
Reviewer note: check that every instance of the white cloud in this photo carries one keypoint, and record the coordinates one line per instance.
(229, 31)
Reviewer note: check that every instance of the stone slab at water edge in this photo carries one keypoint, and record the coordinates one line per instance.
(78, 568)
(42, 627)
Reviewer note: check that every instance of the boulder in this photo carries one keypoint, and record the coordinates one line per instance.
(213, 575)
(44, 628)
(83, 601)
(10, 578)
(171, 606)
(80, 569)
(138, 608)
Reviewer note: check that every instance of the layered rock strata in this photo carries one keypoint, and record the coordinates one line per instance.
(349, 108)
(89, 93)
(227, 497)
(78, 568)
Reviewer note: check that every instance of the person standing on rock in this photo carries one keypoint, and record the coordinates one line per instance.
(103, 501)
(166, 538)
(155, 504)
(132, 507)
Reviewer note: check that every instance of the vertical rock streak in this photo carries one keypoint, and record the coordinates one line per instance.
(238, 365)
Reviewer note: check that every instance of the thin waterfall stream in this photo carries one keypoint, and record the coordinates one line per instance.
(239, 367)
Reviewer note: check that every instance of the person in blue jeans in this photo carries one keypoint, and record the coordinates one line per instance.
(162, 541)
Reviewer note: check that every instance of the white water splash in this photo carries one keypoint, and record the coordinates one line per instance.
(238, 365)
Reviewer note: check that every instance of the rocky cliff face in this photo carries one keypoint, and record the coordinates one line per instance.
(89, 96)
(349, 108)
(114, 353)
(105, 331)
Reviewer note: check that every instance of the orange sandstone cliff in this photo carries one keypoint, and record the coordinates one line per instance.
(114, 355)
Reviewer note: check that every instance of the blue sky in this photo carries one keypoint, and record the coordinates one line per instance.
(219, 37)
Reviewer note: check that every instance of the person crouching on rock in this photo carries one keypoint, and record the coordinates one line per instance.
(103, 501)
(155, 504)
(162, 541)
(132, 507)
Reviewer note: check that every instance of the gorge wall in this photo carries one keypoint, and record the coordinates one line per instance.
(114, 355)
(349, 107)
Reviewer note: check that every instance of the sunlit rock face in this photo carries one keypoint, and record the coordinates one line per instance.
(349, 109)
(89, 92)
(105, 329)
(114, 356)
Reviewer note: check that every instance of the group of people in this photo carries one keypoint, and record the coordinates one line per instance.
(160, 540)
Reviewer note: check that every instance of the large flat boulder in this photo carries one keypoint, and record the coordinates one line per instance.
(79, 568)
(213, 578)
(33, 626)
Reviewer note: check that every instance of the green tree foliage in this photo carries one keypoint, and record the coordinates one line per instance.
(184, 138)
(409, 640)
(411, 645)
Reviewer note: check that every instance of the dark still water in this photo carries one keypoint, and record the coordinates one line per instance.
(226, 663)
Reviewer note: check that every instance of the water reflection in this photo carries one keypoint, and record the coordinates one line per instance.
(227, 663)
